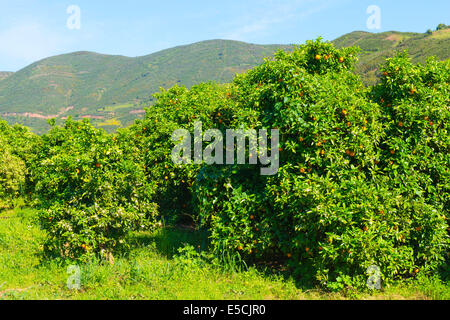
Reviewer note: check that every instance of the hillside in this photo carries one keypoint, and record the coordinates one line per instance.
(112, 90)
(377, 46)
(5, 74)
(109, 89)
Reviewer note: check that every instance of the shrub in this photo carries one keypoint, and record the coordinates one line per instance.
(12, 176)
(149, 142)
(17, 145)
(415, 100)
(90, 195)
(336, 206)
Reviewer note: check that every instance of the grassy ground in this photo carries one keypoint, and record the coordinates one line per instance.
(154, 270)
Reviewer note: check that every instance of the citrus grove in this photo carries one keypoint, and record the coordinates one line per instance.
(363, 181)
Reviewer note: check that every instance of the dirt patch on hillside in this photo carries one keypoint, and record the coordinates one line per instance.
(137, 111)
(37, 115)
(394, 37)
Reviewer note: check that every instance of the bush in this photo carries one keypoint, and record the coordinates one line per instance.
(415, 100)
(90, 195)
(149, 142)
(338, 204)
(17, 145)
(12, 176)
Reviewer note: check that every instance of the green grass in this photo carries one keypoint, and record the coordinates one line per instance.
(116, 107)
(155, 270)
(110, 122)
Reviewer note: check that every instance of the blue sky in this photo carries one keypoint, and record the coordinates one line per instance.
(34, 29)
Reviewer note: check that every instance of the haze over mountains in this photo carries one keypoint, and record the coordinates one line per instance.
(112, 90)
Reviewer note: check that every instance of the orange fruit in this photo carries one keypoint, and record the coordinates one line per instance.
(341, 59)
(318, 57)
(307, 249)
(392, 152)
(289, 255)
(301, 139)
(302, 170)
(98, 165)
(366, 228)
(344, 112)
(400, 124)
(252, 217)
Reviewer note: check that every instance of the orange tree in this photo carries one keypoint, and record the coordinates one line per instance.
(415, 151)
(331, 210)
(149, 142)
(89, 194)
(12, 175)
(16, 151)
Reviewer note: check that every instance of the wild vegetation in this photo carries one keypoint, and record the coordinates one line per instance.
(363, 180)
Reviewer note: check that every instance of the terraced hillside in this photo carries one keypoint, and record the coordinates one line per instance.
(109, 89)
(376, 46)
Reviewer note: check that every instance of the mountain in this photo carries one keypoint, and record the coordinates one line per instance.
(377, 46)
(108, 89)
(111, 90)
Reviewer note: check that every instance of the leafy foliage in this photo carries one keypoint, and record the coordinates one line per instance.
(149, 142)
(90, 195)
(339, 203)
